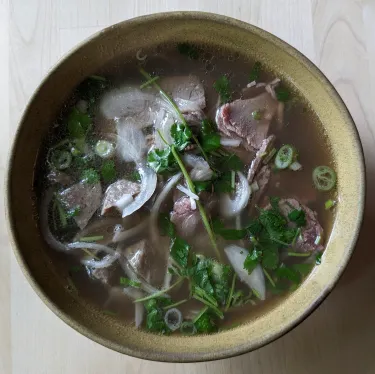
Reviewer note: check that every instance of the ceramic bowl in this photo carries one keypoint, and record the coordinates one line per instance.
(39, 265)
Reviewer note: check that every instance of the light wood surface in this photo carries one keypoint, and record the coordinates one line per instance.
(339, 36)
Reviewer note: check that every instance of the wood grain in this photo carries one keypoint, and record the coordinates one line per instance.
(339, 35)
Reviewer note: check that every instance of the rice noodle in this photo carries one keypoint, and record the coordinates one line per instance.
(230, 208)
(229, 142)
(94, 246)
(44, 224)
(139, 57)
(187, 192)
(120, 236)
(105, 262)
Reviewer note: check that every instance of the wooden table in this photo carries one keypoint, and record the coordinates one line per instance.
(339, 36)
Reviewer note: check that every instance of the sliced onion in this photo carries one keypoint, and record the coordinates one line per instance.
(201, 170)
(173, 319)
(148, 186)
(251, 84)
(120, 236)
(44, 224)
(94, 246)
(139, 57)
(255, 280)
(193, 203)
(254, 186)
(105, 262)
(229, 142)
(230, 208)
(124, 201)
(139, 310)
(187, 192)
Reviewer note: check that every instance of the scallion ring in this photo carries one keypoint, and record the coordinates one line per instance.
(61, 159)
(324, 178)
(104, 149)
(285, 156)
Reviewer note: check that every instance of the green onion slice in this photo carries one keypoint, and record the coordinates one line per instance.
(104, 149)
(188, 328)
(324, 178)
(61, 159)
(285, 156)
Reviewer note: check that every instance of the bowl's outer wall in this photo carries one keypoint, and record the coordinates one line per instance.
(126, 38)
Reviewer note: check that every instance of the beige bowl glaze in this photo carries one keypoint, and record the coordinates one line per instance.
(126, 38)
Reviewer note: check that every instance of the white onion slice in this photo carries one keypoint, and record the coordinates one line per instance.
(255, 280)
(251, 84)
(228, 142)
(148, 186)
(193, 204)
(139, 57)
(201, 170)
(230, 208)
(187, 192)
(120, 236)
(124, 201)
(105, 262)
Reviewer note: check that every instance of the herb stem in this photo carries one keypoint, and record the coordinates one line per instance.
(91, 238)
(215, 309)
(267, 274)
(200, 314)
(298, 254)
(151, 80)
(202, 211)
(175, 304)
(90, 254)
(161, 292)
(230, 296)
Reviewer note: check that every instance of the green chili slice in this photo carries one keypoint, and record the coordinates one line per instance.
(324, 178)
(285, 156)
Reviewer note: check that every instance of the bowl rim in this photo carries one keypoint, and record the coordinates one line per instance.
(204, 16)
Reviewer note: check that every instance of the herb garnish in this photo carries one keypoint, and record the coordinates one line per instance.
(222, 87)
(128, 282)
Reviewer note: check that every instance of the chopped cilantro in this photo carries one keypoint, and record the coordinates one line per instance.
(252, 260)
(202, 186)
(297, 216)
(189, 50)
(304, 268)
(209, 138)
(270, 258)
(78, 124)
(282, 94)
(223, 183)
(228, 234)
(90, 176)
(73, 212)
(206, 323)
(135, 176)
(167, 228)
(128, 282)
(162, 160)
(223, 89)
(318, 258)
(180, 251)
(181, 135)
(155, 315)
(91, 89)
(255, 71)
(288, 273)
(108, 171)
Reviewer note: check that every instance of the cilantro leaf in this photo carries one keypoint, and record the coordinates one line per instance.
(108, 171)
(255, 227)
(297, 216)
(167, 228)
(255, 71)
(222, 87)
(189, 50)
(199, 273)
(288, 273)
(206, 323)
(304, 268)
(155, 316)
(252, 260)
(318, 258)
(161, 160)
(220, 275)
(202, 186)
(223, 183)
(90, 176)
(209, 137)
(282, 94)
(181, 135)
(270, 259)
(228, 234)
(231, 162)
(180, 251)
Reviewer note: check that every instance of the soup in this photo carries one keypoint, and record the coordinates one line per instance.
(187, 189)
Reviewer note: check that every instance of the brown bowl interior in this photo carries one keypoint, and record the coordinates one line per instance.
(125, 39)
